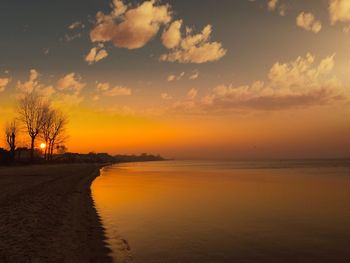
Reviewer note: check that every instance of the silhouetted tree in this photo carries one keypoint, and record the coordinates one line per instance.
(47, 130)
(11, 131)
(58, 122)
(61, 149)
(32, 111)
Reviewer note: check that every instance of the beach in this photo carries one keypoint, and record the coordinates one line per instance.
(47, 214)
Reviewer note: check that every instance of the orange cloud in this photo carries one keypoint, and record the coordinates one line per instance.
(109, 91)
(192, 48)
(96, 54)
(339, 11)
(3, 83)
(299, 83)
(308, 22)
(194, 76)
(30, 84)
(134, 28)
(165, 96)
(272, 4)
(171, 38)
(71, 82)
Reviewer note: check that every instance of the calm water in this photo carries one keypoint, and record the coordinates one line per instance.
(198, 212)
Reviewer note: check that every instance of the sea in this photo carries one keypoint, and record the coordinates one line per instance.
(281, 211)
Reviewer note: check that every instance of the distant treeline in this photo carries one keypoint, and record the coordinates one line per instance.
(107, 158)
(23, 156)
(138, 158)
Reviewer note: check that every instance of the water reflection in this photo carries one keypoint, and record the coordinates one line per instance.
(226, 212)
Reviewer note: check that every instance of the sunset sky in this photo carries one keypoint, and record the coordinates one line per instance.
(185, 79)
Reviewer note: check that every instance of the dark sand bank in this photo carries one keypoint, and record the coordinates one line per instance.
(47, 215)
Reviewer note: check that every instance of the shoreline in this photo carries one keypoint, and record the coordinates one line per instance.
(47, 214)
(98, 243)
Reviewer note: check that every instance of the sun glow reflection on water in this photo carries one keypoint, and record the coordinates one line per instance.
(226, 211)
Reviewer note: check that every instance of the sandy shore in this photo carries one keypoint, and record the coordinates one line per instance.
(47, 215)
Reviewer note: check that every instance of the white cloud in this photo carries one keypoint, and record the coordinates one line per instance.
(308, 22)
(195, 48)
(130, 28)
(96, 54)
(339, 11)
(106, 90)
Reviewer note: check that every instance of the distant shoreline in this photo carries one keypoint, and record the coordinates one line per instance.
(48, 214)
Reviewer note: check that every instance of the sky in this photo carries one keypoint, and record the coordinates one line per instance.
(185, 79)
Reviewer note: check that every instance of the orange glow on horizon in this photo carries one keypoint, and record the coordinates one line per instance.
(287, 133)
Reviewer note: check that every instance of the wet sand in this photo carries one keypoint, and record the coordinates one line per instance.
(47, 214)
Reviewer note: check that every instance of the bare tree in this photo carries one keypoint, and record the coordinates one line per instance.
(32, 111)
(56, 132)
(11, 131)
(61, 149)
(47, 130)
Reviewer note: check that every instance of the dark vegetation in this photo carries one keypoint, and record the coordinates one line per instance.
(23, 156)
(106, 158)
